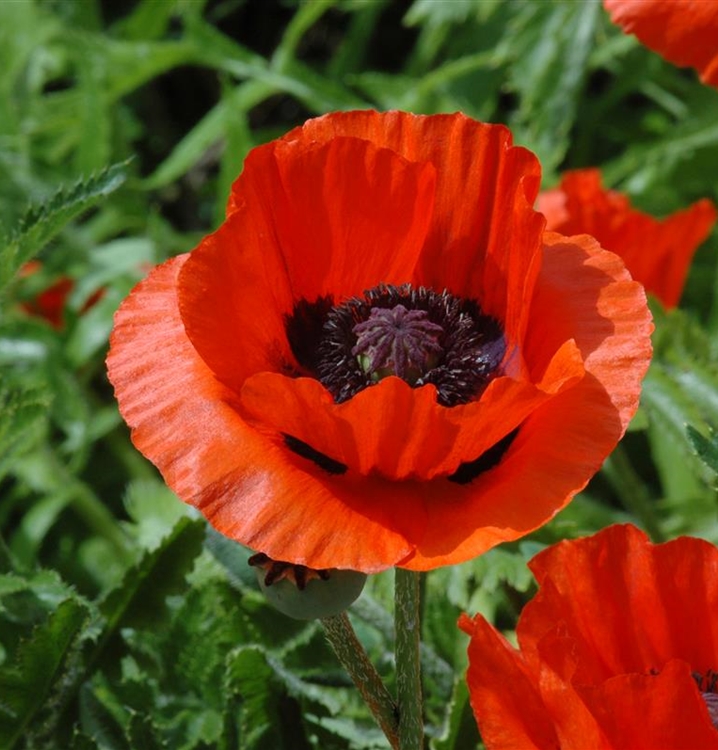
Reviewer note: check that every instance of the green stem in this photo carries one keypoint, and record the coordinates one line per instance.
(408, 668)
(354, 659)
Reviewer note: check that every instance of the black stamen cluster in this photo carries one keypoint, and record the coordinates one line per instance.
(469, 350)
(707, 682)
(472, 343)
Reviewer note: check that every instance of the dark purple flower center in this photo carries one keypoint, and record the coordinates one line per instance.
(397, 341)
(707, 684)
(416, 334)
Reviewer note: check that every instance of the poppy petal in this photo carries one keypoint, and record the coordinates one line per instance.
(243, 482)
(485, 251)
(233, 301)
(348, 214)
(334, 219)
(590, 584)
(645, 712)
(507, 704)
(583, 293)
(383, 428)
(683, 31)
(605, 656)
(657, 252)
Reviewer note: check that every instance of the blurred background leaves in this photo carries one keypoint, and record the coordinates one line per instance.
(124, 622)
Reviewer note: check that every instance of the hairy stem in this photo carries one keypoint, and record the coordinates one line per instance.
(408, 669)
(353, 658)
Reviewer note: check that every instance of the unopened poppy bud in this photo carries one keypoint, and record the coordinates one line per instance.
(304, 593)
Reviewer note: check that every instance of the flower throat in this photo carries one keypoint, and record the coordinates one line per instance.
(415, 334)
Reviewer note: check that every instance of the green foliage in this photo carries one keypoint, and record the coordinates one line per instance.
(706, 448)
(39, 664)
(41, 222)
(124, 621)
(552, 43)
(22, 424)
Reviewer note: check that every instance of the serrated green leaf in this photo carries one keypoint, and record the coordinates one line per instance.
(252, 681)
(265, 722)
(143, 734)
(43, 221)
(146, 585)
(38, 666)
(23, 423)
(45, 586)
(99, 722)
(551, 43)
(706, 448)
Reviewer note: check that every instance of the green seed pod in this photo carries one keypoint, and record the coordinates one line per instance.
(319, 598)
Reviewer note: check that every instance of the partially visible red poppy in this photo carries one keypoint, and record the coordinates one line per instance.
(657, 252)
(379, 358)
(49, 304)
(618, 650)
(685, 32)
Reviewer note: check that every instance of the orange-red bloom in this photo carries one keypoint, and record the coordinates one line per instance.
(289, 383)
(618, 650)
(49, 304)
(683, 31)
(657, 252)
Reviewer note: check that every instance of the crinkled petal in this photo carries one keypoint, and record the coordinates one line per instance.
(384, 428)
(682, 31)
(347, 213)
(248, 485)
(646, 712)
(599, 664)
(504, 696)
(657, 252)
(334, 219)
(583, 293)
(233, 297)
(487, 249)
(628, 606)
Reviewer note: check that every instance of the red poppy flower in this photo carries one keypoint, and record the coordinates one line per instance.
(657, 252)
(683, 31)
(378, 359)
(49, 304)
(619, 649)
